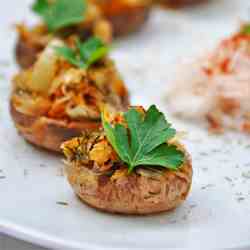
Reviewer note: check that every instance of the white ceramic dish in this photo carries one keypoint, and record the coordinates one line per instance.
(216, 214)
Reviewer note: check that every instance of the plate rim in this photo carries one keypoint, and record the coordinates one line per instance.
(41, 239)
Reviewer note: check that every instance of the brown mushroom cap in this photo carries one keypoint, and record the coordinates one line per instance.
(131, 194)
(46, 132)
(125, 16)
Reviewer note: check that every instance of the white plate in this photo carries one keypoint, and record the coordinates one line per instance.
(216, 214)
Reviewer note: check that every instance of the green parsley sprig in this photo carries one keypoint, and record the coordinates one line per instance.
(85, 54)
(144, 142)
(58, 14)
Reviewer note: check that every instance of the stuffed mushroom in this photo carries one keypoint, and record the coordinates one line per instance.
(61, 19)
(133, 165)
(82, 18)
(63, 93)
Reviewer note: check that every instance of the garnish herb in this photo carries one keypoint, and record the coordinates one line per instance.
(58, 14)
(85, 54)
(144, 142)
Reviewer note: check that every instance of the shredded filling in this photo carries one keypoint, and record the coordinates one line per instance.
(55, 89)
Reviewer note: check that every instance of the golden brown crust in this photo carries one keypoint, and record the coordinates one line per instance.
(131, 194)
(48, 133)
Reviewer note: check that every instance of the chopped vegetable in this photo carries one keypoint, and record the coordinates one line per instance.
(44, 69)
(144, 142)
(58, 14)
(85, 54)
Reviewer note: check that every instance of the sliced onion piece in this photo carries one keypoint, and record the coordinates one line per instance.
(81, 111)
(45, 69)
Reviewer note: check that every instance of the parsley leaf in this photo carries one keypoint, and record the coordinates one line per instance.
(40, 6)
(70, 55)
(118, 138)
(85, 54)
(60, 13)
(145, 140)
(92, 50)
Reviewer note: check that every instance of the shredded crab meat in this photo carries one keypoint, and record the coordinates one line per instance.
(216, 87)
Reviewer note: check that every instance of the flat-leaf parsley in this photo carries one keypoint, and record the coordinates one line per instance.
(85, 54)
(144, 141)
(58, 14)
